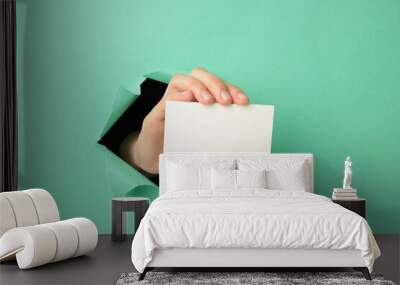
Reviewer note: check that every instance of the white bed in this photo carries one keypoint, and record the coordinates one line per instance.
(200, 223)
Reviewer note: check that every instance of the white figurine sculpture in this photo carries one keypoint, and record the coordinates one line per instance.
(347, 173)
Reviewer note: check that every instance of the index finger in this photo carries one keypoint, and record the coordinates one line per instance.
(182, 82)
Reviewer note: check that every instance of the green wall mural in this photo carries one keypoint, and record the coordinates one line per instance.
(331, 68)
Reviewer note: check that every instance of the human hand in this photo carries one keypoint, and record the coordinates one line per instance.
(142, 149)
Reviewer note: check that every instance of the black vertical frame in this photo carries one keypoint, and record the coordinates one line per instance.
(8, 98)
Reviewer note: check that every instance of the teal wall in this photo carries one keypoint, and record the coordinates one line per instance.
(331, 68)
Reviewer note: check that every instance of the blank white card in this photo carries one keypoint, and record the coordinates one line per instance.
(193, 127)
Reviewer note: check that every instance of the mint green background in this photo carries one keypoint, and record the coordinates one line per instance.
(331, 68)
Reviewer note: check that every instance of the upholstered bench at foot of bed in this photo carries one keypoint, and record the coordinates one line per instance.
(44, 243)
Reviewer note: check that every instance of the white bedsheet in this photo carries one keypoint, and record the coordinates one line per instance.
(250, 219)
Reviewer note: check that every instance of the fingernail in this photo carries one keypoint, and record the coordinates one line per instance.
(225, 95)
(205, 95)
(241, 96)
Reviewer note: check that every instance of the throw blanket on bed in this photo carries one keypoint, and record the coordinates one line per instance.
(250, 219)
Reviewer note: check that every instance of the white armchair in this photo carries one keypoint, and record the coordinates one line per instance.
(31, 230)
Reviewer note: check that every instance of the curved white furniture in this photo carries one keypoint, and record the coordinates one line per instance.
(31, 232)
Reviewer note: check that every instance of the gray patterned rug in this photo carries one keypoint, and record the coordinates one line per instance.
(269, 278)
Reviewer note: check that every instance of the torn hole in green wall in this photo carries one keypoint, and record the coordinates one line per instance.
(132, 103)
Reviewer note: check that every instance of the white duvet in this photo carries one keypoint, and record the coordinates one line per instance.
(250, 219)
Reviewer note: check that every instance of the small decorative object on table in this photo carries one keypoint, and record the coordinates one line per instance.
(344, 194)
(347, 196)
(347, 192)
(138, 205)
(348, 172)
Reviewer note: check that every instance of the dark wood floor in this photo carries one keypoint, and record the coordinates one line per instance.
(110, 260)
(389, 262)
(102, 266)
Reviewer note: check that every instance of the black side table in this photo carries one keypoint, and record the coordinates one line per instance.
(138, 205)
(357, 205)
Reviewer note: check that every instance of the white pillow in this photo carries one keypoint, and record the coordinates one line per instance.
(287, 174)
(223, 179)
(183, 177)
(188, 174)
(291, 179)
(251, 178)
(236, 179)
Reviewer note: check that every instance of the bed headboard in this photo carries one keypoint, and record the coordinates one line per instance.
(170, 156)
